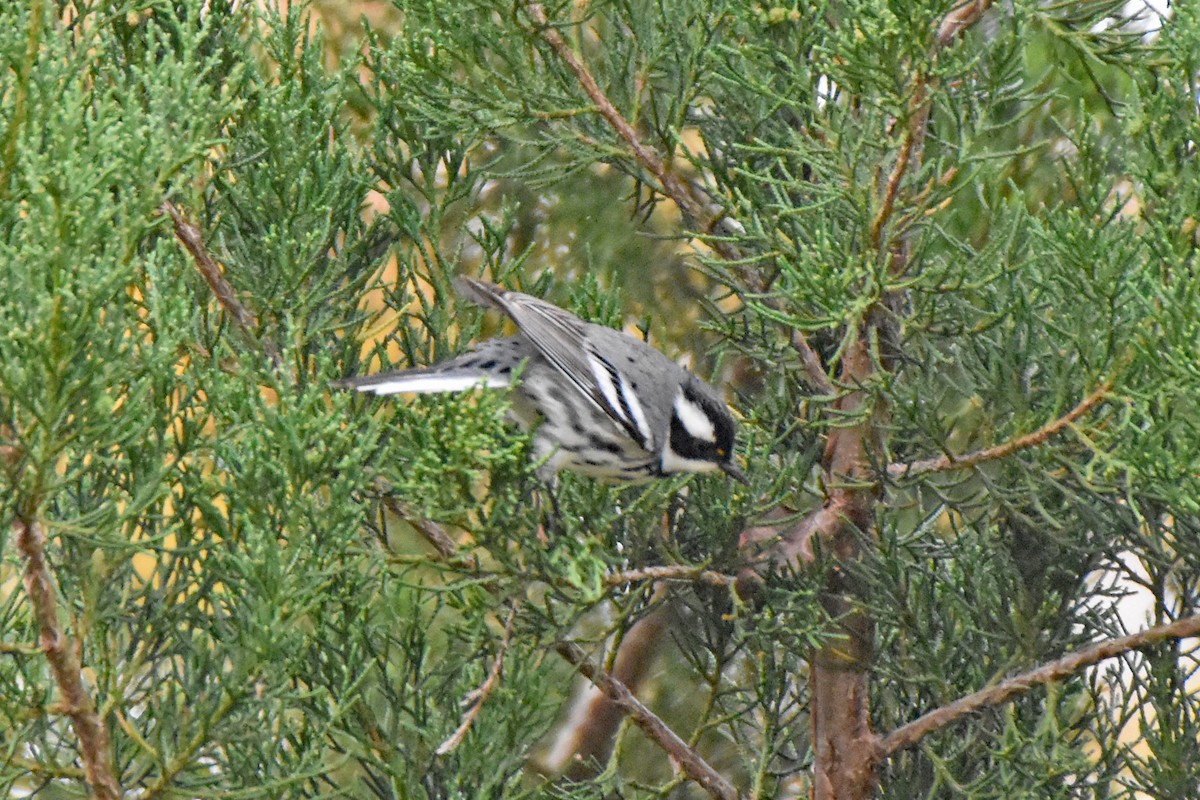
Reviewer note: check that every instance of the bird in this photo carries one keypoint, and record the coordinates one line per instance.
(601, 403)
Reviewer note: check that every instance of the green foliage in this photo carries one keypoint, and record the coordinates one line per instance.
(225, 540)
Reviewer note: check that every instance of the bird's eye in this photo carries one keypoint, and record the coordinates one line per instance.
(721, 452)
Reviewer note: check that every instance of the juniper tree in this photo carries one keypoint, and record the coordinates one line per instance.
(941, 255)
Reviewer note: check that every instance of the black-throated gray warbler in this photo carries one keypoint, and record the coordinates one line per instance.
(603, 404)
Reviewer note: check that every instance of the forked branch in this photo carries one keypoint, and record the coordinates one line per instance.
(584, 743)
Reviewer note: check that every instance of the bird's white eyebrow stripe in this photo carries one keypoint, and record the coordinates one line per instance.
(694, 419)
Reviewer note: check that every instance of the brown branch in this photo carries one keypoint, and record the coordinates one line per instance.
(705, 215)
(189, 236)
(430, 531)
(675, 188)
(959, 19)
(790, 546)
(477, 697)
(693, 765)
(1004, 449)
(60, 652)
(899, 169)
(951, 26)
(842, 741)
(910, 734)
(818, 379)
(678, 572)
(844, 746)
(587, 735)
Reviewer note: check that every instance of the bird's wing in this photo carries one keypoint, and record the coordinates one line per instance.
(561, 338)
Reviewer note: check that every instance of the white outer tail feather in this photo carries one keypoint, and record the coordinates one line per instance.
(432, 384)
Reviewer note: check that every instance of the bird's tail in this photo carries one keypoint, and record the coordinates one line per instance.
(424, 381)
(491, 365)
(481, 293)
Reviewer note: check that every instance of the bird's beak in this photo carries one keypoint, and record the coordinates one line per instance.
(734, 471)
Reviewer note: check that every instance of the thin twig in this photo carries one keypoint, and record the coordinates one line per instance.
(678, 572)
(899, 169)
(20, 97)
(12, 648)
(910, 734)
(705, 215)
(911, 151)
(477, 697)
(60, 652)
(959, 19)
(693, 765)
(646, 156)
(587, 735)
(430, 531)
(185, 756)
(818, 379)
(189, 236)
(1004, 449)
(43, 770)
